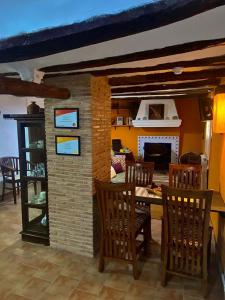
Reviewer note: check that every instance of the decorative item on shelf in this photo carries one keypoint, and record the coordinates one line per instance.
(128, 121)
(33, 108)
(219, 110)
(38, 170)
(119, 120)
(41, 199)
(44, 221)
(39, 144)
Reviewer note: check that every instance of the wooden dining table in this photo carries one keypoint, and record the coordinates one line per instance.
(142, 194)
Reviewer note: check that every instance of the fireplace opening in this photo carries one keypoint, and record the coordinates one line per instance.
(159, 153)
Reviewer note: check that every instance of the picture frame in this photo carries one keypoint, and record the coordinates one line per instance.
(119, 120)
(67, 145)
(66, 117)
(156, 112)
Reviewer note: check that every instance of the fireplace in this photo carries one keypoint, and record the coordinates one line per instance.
(159, 153)
(160, 149)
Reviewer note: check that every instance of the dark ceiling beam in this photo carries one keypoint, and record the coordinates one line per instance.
(178, 91)
(163, 77)
(163, 87)
(161, 97)
(9, 74)
(204, 62)
(17, 87)
(137, 56)
(100, 29)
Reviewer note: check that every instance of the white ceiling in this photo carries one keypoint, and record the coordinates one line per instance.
(205, 26)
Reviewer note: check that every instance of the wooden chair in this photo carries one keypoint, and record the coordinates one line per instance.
(186, 233)
(121, 224)
(140, 174)
(185, 176)
(10, 169)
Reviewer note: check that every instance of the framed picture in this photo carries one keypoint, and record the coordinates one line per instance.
(156, 112)
(66, 117)
(119, 120)
(67, 145)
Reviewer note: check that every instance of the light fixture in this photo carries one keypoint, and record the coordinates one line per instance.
(177, 70)
(219, 110)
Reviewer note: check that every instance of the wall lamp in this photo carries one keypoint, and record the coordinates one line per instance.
(219, 110)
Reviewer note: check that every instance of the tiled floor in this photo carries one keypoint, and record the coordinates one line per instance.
(30, 271)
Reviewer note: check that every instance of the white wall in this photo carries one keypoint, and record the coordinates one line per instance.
(8, 128)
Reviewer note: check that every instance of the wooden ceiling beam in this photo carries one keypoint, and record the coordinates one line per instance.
(163, 77)
(17, 87)
(204, 62)
(137, 56)
(161, 97)
(163, 87)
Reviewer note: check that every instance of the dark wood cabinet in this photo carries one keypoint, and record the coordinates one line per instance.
(33, 173)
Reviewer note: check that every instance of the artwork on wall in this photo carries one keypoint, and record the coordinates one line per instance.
(156, 112)
(66, 118)
(67, 145)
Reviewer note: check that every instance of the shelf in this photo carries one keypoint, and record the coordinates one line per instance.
(33, 149)
(34, 205)
(34, 178)
(36, 226)
(129, 126)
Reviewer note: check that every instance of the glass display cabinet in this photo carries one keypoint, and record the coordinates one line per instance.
(33, 174)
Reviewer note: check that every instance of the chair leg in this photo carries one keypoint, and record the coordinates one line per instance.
(136, 273)
(205, 286)
(3, 191)
(163, 275)
(162, 240)
(147, 238)
(14, 192)
(150, 224)
(18, 188)
(101, 265)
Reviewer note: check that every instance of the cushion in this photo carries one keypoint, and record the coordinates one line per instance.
(120, 159)
(113, 172)
(118, 167)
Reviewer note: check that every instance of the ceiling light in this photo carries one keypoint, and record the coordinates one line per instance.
(177, 70)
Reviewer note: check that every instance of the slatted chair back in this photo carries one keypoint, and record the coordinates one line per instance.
(186, 230)
(116, 204)
(10, 162)
(185, 176)
(139, 173)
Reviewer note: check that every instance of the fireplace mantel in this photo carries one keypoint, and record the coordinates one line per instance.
(170, 116)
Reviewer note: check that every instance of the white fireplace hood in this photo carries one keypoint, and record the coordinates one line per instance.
(164, 110)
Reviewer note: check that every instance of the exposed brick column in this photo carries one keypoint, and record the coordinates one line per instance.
(72, 213)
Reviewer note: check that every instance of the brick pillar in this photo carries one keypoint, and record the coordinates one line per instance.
(72, 211)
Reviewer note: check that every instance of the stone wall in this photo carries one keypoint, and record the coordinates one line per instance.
(72, 213)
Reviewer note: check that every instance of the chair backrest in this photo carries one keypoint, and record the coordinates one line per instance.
(185, 176)
(116, 204)
(186, 228)
(9, 162)
(139, 173)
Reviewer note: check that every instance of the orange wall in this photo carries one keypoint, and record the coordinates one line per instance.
(190, 132)
(222, 169)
